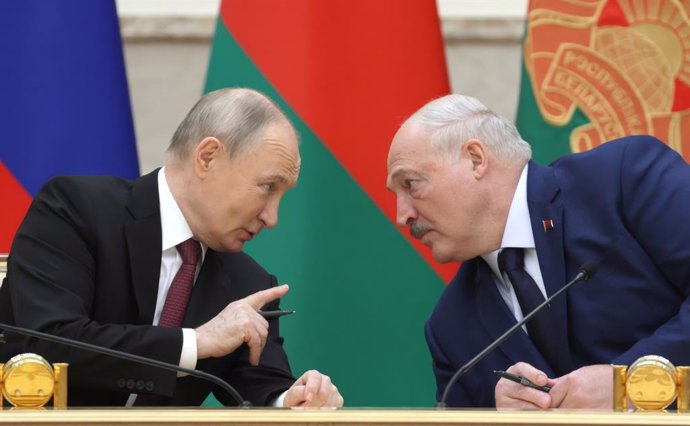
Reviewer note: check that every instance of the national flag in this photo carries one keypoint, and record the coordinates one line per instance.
(596, 70)
(348, 73)
(64, 104)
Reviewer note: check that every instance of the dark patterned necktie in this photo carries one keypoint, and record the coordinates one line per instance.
(511, 262)
(176, 302)
(181, 288)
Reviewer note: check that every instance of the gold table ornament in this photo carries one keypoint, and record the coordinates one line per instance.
(29, 381)
(651, 383)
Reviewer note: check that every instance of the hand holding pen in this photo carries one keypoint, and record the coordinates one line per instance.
(521, 380)
(241, 322)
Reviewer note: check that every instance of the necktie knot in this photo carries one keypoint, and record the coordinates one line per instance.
(189, 251)
(511, 259)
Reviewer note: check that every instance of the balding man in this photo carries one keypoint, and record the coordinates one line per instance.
(155, 267)
(466, 187)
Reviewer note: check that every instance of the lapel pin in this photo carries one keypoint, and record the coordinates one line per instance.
(548, 224)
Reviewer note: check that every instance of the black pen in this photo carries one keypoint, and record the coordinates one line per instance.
(274, 314)
(522, 381)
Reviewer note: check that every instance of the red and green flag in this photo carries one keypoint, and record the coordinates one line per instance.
(348, 73)
(596, 70)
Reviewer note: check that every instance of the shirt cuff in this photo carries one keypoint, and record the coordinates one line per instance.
(188, 355)
(278, 402)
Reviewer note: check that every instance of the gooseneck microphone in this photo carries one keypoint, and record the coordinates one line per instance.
(129, 357)
(584, 273)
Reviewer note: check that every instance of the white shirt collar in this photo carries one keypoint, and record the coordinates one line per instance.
(518, 231)
(174, 227)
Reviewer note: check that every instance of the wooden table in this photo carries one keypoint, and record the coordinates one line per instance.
(341, 417)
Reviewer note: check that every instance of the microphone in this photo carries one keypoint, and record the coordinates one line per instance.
(128, 357)
(584, 273)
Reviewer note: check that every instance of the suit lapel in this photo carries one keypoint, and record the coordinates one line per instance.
(542, 191)
(497, 319)
(144, 241)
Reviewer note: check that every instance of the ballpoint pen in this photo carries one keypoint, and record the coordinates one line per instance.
(522, 381)
(274, 314)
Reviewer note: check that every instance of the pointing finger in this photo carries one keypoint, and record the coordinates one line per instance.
(260, 298)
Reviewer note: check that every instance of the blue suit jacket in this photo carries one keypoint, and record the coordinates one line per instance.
(625, 205)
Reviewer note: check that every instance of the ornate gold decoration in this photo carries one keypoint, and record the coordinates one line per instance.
(28, 380)
(651, 383)
(623, 78)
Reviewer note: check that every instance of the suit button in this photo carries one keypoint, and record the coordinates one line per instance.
(130, 384)
(120, 383)
(140, 385)
(149, 386)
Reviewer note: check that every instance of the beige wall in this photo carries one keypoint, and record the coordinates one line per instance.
(166, 61)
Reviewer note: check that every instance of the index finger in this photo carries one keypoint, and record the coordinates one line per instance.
(558, 394)
(260, 298)
(312, 386)
(530, 373)
(513, 395)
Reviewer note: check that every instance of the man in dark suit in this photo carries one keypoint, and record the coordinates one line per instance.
(154, 267)
(466, 188)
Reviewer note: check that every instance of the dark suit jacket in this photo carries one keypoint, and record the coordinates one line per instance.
(85, 264)
(625, 205)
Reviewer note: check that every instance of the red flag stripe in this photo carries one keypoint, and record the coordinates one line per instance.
(15, 203)
(352, 70)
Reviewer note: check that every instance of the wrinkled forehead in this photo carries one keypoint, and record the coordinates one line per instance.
(286, 156)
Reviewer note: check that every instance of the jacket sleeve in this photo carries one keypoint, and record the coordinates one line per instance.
(655, 190)
(444, 370)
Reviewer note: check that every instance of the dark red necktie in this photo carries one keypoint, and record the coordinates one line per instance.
(181, 288)
(176, 302)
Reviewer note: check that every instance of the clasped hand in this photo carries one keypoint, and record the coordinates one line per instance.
(587, 387)
(313, 389)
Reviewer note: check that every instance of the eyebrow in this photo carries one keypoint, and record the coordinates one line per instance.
(277, 177)
(399, 172)
(395, 175)
(282, 178)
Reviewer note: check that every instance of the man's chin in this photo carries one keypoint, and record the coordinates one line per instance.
(443, 256)
(234, 246)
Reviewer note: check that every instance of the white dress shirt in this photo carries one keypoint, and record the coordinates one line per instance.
(518, 233)
(174, 230)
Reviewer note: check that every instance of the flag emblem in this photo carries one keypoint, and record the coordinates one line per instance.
(611, 68)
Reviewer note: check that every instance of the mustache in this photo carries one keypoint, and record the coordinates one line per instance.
(418, 229)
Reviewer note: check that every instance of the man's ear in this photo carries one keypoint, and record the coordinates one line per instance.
(206, 154)
(476, 152)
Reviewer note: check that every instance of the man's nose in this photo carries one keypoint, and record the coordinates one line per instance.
(406, 213)
(269, 215)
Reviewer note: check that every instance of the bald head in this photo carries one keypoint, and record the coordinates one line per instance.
(237, 117)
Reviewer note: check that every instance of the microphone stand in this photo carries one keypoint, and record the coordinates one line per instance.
(585, 272)
(129, 357)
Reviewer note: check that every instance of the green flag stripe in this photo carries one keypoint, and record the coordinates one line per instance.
(548, 141)
(361, 292)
